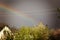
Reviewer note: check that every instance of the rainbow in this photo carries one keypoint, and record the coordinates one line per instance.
(17, 12)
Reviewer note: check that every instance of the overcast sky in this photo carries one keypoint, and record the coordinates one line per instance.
(35, 10)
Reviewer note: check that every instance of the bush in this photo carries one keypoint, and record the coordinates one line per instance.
(23, 34)
(39, 32)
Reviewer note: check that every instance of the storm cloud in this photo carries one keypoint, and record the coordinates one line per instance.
(38, 10)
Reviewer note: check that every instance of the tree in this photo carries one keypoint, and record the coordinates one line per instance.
(58, 9)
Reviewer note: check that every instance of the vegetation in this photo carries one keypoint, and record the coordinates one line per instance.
(39, 32)
(58, 9)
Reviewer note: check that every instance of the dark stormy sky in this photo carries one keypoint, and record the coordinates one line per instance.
(34, 11)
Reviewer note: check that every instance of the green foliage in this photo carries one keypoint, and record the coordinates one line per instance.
(23, 34)
(39, 32)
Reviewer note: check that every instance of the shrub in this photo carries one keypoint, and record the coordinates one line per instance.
(39, 32)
